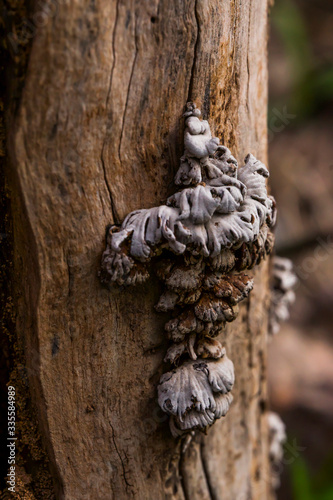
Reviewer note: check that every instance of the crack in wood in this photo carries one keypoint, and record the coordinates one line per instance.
(195, 52)
(115, 216)
(248, 62)
(128, 89)
(181, 463)
(206, 473)
(113, 52)
(113, 209)
(124, 474)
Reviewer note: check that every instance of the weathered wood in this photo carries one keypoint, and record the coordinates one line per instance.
(98, 133)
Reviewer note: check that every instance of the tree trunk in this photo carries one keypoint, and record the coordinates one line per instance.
(97, 134)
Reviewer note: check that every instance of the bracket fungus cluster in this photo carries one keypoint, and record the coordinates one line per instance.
(200, 243)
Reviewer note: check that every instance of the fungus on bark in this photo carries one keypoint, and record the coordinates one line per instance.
(217, 225)
(197, 393)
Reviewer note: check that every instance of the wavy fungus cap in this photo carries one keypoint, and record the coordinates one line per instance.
(197, 393)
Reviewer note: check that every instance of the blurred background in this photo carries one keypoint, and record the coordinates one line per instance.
(301, 163)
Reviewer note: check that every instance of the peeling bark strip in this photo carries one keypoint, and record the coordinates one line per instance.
(218, 225)
(98, 121)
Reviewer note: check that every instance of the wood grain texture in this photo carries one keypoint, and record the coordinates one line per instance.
(98, 133)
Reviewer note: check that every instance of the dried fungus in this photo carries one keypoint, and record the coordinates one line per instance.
(216, 226)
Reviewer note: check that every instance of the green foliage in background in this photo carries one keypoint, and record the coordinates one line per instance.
(311, 486)
(312, 82)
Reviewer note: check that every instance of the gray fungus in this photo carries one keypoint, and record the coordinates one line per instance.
(215, 227)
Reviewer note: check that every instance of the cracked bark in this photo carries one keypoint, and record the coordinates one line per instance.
(98, 133)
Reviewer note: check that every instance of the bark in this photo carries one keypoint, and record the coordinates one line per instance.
(97, 134)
